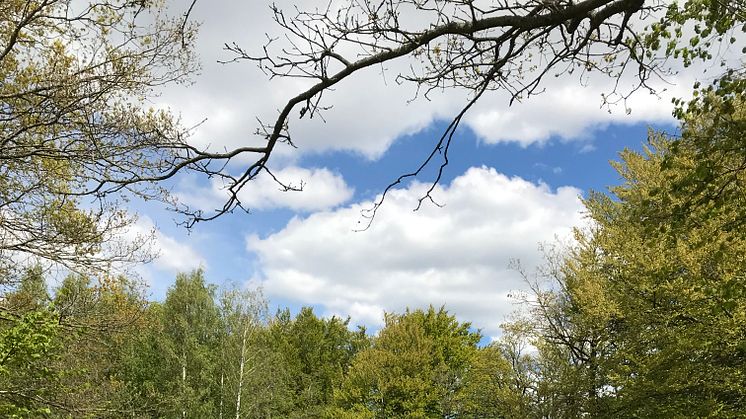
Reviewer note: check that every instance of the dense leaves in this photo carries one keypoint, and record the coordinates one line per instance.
(414, 368)
(649, 314)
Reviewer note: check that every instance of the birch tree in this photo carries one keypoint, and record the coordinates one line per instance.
(244, 314)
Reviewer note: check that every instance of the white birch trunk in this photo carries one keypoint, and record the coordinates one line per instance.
(183, 379)
(222, 378)
(240, 373)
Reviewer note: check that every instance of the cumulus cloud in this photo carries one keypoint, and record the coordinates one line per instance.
(572, 111)
(173, 256)
(457, 255)
(321, 189)
(371, 109)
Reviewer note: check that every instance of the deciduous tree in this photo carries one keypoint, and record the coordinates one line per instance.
(316, 353)
(648, 314)
(76, 133)
(415, 368)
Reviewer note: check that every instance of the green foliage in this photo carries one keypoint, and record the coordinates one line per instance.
(191, 324)
(650, 314)
(29, 345)
(414, 368)
(57, 355)
(252, 378)
(316, 353)
(681, 299)
(689, 30)
(31, 291)
(496, 384)
(73, 119)
(699, 31)
(98, 316)
(146, 369)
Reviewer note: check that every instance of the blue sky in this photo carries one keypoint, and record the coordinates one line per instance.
(221, 245)
(514, 181)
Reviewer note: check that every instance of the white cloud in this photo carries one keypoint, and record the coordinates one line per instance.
(321, 189)
(570, 111)
(370, 109)
(457, 255)
(173, 256)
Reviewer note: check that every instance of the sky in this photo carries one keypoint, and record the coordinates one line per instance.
(515, 181)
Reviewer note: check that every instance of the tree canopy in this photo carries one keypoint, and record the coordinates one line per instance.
(76, 132)
(647, 318)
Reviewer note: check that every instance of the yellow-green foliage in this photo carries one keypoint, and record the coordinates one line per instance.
(660, 275)
(74, 123)
(413, 369)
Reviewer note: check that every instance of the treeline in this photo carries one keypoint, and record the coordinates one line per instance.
(643, 316)
(99, 349)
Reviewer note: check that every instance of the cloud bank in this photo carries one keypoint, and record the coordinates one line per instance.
(371, 110)
(457, 255)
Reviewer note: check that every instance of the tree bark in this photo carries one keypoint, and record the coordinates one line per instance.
(240, 373)
(222, 380)
(183, 380)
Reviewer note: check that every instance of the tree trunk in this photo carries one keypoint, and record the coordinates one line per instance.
(222, 378)
(183, 380)
(240, 373)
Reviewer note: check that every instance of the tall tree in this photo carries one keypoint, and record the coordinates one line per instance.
(245, 366)
(191, 325)
(29, 348)
(147, 368)
(97, 317)
(60, 354)
(681, 301)
(649, 312)
(500, 381)
(315, 354)
(415, 368)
